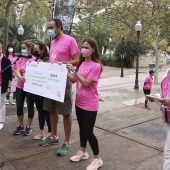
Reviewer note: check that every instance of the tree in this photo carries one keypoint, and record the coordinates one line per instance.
(80, 32)
(29, 34)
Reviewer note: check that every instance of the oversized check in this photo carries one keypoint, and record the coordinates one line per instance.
(46, 79)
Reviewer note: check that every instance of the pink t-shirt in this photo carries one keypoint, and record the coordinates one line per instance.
(87, 97)
(0, 74)
(149, 82)
(63, 49)
(21, 63)
(165, 93)
(12, 59)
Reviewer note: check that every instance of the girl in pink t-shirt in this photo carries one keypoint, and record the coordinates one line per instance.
(87, 75)
(10, 55)
(27, 48)
(147, 87)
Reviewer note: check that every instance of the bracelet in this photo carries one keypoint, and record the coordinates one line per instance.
(75, 71)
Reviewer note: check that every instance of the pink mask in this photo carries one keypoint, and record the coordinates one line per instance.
(86, 52)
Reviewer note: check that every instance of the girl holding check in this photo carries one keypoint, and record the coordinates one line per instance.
(87, 76)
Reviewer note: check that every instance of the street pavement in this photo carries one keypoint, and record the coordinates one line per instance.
(130, 137)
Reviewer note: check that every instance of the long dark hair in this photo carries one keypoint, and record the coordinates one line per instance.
(7, 52)
(95, 55)
(44, 48)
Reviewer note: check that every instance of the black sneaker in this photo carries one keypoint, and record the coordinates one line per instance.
(147, 107)
(19, 130)
(27, 131)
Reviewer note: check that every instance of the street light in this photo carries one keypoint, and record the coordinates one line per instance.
(20, 33)
(122, 57)
(138, 28)
(110, 41)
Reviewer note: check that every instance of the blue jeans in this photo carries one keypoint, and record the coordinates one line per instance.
(14, 96)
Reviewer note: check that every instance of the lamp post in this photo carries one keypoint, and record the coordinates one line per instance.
(138, 28)
(110, 41)
(20, 33)
(122, 57)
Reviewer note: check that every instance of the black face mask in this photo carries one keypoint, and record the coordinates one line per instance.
(35, 53)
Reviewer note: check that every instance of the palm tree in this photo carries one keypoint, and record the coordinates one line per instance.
(29, 34)
(80, 31)
(101, 34)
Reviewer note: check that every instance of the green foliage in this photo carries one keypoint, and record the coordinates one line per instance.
(14, 38)
(129, 49)
(80, 32)
(115, 61)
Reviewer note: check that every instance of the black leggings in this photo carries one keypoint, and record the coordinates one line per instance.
(42, 114)
(20, 97)
(86, 120)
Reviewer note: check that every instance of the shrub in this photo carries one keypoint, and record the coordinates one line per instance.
(115, 61)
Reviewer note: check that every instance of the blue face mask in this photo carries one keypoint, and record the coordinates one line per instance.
(167, 59)
(52, 33)
(24, 51)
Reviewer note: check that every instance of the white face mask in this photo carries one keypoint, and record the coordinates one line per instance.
(10, 50)
(24, 51)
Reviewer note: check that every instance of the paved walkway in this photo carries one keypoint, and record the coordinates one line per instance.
(130, 137)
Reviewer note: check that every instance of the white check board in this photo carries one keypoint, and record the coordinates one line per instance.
(46, 79)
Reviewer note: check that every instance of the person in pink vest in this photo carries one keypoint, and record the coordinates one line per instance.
(165, 101)
(86, 77)
(147, 87)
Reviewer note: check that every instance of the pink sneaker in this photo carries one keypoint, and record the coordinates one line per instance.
(95, 164)
(79, 156)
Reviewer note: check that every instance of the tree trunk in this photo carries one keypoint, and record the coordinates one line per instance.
(6, 24)
(104, 51)
(156, 61)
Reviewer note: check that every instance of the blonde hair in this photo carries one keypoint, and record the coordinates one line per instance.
(29, 44)
(1, 45)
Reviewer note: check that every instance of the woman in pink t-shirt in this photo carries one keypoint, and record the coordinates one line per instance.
(27, 48)
(10, 55)
(147, 87)
(165, 100)
(87, 75)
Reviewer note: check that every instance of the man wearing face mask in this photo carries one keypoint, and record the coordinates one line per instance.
(63, 49)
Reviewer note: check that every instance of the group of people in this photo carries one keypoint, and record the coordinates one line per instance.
(84, 69)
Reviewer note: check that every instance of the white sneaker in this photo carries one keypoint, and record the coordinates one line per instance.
(95, 164)
(7, 102)
(79, 156)
(39, 135)
(1, 125)
(25, 104)
(13, 102)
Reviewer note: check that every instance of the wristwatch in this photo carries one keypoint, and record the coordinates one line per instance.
(75, 71)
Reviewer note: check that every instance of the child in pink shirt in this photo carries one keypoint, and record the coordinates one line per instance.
(147, 87)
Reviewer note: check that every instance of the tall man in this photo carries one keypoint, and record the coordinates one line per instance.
(63, 49)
